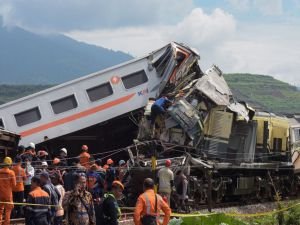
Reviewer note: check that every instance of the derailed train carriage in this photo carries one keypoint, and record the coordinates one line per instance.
(227, 150)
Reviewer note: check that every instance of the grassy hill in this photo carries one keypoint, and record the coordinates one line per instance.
(265, 92)
(11, 92)
(259, 91)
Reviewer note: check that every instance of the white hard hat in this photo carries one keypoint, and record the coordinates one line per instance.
(44, 163)
(32, 145)
(64, 150)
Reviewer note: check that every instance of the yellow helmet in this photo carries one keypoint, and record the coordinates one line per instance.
(7, 161)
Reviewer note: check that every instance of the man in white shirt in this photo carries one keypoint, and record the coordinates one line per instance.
(165, 181)
(29, 171)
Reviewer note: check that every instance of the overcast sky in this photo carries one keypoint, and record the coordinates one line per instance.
(255, 36)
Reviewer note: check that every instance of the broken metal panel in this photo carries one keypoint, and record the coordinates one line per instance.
(240, 109)
(214, 86)
(187, 117)
(242, 142)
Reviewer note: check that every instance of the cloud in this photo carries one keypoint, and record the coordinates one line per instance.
(270, 49)
(57, 15)
(197, 28)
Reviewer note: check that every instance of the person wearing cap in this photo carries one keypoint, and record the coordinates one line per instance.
(42, 154)
(63, 153)
(111, 174)
(84, 157)
(56, 169)
(111, 209)
(7, 183)
(121, 171)
(78, 204)
(18, 190)
(148, 206)
(95, 183)
(165, 180)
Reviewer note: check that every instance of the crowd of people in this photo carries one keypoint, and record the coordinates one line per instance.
(53, 192)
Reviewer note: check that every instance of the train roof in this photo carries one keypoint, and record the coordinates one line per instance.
(77, 80)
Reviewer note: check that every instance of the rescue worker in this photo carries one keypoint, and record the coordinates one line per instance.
(37, 215)
(165, 182)
(7, 183)
(29, 171)
(149, 205)
(111, 210)
(111, 174)
(159, 108)
(78, 204)
(18, 190)
(42, 155)
(63, 153)
(84, 157)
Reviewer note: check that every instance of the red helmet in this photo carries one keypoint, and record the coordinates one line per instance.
(109, 162)
(168, 163)
(84, 147)
(56, 161)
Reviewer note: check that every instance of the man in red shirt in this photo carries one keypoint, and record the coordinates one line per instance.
(8, 182)
(18, 190)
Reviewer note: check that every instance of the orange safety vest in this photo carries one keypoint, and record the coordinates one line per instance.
(20, 178)
(146, 206)
(7, 183)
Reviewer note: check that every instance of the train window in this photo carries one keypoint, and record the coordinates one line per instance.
(297, 134)
(64, 104)
(135, 79)
(99, 92)
(1, 124)
(28, 116)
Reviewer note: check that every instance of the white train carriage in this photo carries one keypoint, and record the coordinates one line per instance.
(94, 98)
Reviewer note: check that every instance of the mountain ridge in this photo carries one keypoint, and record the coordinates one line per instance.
(29, 58)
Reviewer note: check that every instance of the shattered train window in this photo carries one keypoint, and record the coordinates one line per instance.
(162, 62)
(135, 79)
(99, 92)
(28, 116)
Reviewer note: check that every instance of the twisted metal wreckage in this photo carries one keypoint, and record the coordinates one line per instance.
(225, 150)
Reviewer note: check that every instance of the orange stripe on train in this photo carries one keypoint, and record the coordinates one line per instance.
(76, 116)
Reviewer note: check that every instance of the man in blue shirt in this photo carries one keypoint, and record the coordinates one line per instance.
(159, 108)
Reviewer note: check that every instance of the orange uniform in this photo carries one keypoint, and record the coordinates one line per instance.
(7, 183)
(20, 178)
(146, 206)
(84, 158)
